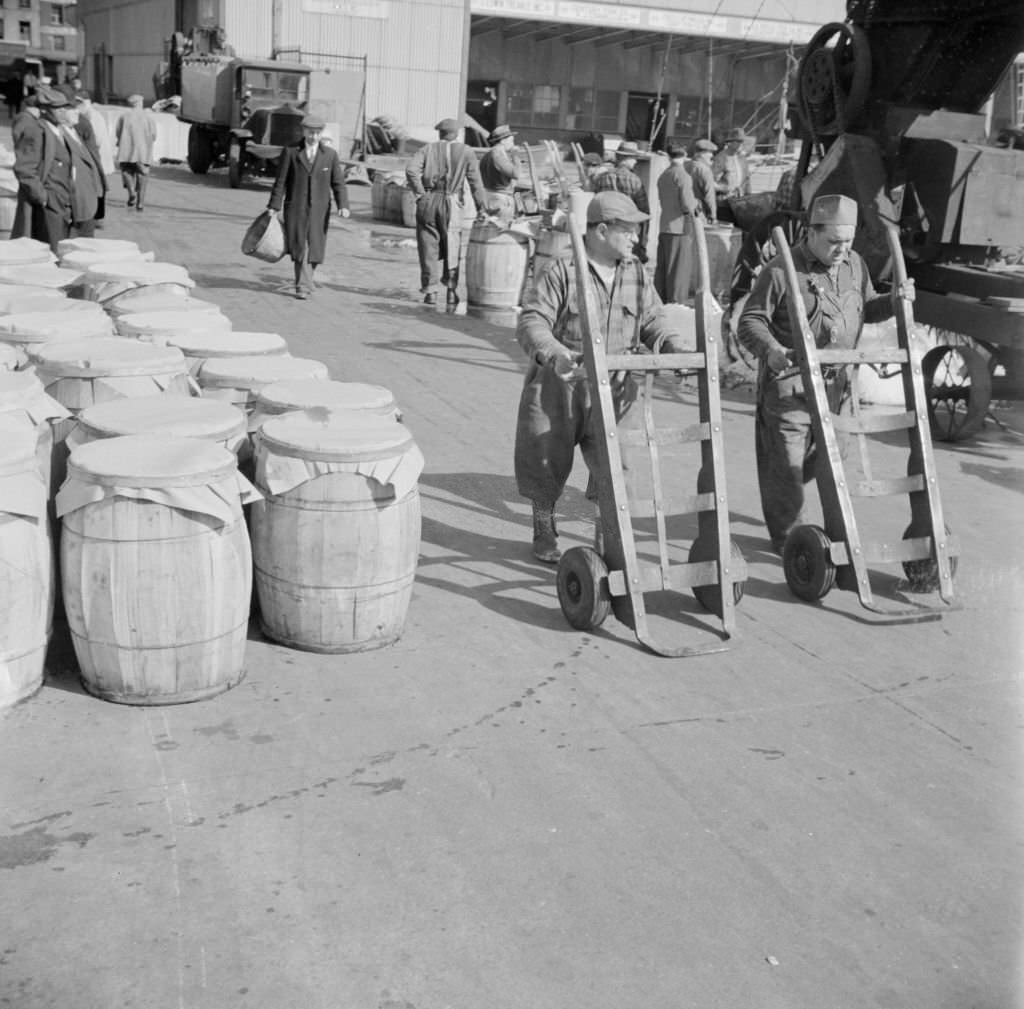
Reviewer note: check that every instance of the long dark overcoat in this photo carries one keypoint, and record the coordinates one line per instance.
(304, 191)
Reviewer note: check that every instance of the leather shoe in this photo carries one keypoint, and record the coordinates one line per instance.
(301, 293)
(430, 298)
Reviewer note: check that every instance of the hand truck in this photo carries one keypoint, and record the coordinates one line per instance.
(591, 583)
(816, 559)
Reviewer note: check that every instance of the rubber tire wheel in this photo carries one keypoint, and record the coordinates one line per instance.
(957, 406)
(234, 164)
(200, 154)
(710, 596)
(851, 46)
(807, 563)
(582, 583)
(923, 576)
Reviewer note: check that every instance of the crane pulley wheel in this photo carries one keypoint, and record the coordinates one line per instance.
(833, 79)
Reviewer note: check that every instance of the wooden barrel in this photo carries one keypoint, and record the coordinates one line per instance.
(336, 535)
(240, 379)
(106, 281)
(323, 394)
(141, 300)
(496, 262)
(551, 244)
(203, 345)
(180, 416)
(154, 325)
(378, 193)
(47, 276)
(408, 207)
(156, 568)
(26, 574)
(393, 202)
(83, 259)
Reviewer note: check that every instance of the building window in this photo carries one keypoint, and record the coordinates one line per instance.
(25, 4)
(57, 16)
(25, 31)
(590, 109)
(59, 42)
(534, 104)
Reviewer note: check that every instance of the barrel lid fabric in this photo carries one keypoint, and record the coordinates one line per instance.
(82, 260)
(19, 251)
(107, 356)
(9, 359)
(140, 301)
(254, 372)
(23, 298)
(22, 391)
(333, 435)
(146, 460)
(170, 323)
(16, 455)
(116, 246)
(41, 327)
(209, 343)
(142, 273)
(175, 416)
(305, 394)
(40, 275)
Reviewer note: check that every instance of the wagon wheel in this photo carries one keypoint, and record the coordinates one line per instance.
(807, 563)
(235, 164)
(710, 596)
(582, 582)
(833, 80)
(958, 385)
(923, 576)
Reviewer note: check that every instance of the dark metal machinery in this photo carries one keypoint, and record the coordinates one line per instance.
(890, 100)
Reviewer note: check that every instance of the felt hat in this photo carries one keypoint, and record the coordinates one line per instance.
(834, 210)
(592, 159)
(499, 133)
(628, 149)
(312, 122)
(675, 149)
(610, 205)
(736, 133)
(706, 145)
(50, 98)
(447, 126)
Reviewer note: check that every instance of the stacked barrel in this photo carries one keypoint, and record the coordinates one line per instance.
(137, 427)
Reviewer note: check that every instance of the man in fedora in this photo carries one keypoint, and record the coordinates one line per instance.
(308, 174)
(44, 169)
(623, 179)
(704, 180)
(437, 175)
(731, 171)
(839, 298)
(499, 173)
(135, 135)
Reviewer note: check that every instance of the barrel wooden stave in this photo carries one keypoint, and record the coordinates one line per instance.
(496, 265)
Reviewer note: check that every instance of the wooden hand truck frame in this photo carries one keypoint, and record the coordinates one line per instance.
(591, 583)
(811, 555)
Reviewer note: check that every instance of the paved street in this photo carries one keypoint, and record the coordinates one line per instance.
(500, 812)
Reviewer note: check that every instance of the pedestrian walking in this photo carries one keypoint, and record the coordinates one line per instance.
(838, 298)
(135, 135)
(732, 173)
(674, 268)
(308, 175)
(555, 408)
(437, 175)
(704, 179)
(499, 173)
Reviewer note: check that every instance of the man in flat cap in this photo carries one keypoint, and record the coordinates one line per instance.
(308, 174)
(554, 408)
(704, 179)
(731, 171)
(838, 298)
(44, 169)
(437, 175)
(134, 136)
(499, 172)
(674, 267)
(623, 179)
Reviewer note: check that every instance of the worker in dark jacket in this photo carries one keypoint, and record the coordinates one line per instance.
(674, 268)
(437, 175)
(704, 179)
(499, 173)
(555, 407)
(308, 173)
(838, 299)
(623, 179)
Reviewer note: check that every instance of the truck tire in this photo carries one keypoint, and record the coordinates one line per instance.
(200, 150)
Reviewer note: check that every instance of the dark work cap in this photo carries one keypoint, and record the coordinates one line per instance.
(834, 210)
(50, 98)
(312, 122)
(706, 145)
(447, 126)
(610, 205)
(499, 133)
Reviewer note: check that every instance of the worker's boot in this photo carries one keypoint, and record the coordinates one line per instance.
(141, 192)
(545, 534)
(129, 185)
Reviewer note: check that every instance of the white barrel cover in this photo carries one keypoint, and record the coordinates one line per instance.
(295, 448)
(83, 260)
(306, 394)
(167, 324)
(22, 298)
(240, 379)
(22, 396)
(9, 357)
(23, 251)
(185, 473)
(117, 247)
(40, 275)
(140, 300)
(39, 327)
(106, 356)
(202, 344)
(103, 281)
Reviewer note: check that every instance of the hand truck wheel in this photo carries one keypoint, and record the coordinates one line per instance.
(582, 582)
(807, 563)
(923, 576)
(710, 596)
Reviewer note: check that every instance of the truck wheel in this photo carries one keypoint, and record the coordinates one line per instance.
(958, 386)
(235, 164)
(200, 150)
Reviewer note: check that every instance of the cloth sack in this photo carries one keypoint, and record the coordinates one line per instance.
(264, 238)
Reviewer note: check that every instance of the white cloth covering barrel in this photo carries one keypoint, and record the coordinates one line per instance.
(104, 281)
(313, 393)
(51, 277)
(22, 298)
(26, 411)
(26, 570)
(116, 248)
(9, 357)
(141, 301)
(157, 567)
(25, 251)
(202, 345)
(30, 330)
(152, 325)
(336, 536)
(178, 416)
(239, 379)
(82, 259)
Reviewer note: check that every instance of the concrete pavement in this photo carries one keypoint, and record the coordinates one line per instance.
(500, 811)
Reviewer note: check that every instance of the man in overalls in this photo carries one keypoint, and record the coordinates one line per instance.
(436, 175)
(838, 298)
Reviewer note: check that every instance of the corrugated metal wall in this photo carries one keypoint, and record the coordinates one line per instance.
(248, 27)
(134, 36)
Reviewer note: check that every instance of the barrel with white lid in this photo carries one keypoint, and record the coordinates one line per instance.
(157, 568)
(148, 325)
(312, 393)
(178, 416)
(140, 301)
(9, 357)
(336, 535)
(26, 574)
(51, 277)
(27, 411)
(22, 298)
(25, 251)
(103, 281)
(117, 248)
(28, 330)
(240, 379)
(201, 345)
(83, 259)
